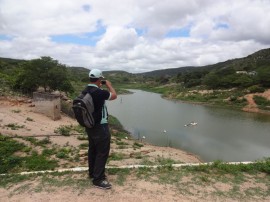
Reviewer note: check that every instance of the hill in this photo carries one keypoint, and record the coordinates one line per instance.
(251, 62)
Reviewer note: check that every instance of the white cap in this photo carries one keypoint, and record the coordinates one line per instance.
(95, 73)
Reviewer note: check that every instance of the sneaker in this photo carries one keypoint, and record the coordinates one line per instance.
(104, 184)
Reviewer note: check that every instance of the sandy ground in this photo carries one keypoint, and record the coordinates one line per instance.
(19, 111)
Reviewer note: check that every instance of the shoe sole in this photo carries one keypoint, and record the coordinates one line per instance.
(102, 187)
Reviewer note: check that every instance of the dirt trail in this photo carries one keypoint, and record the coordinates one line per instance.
(252, 106)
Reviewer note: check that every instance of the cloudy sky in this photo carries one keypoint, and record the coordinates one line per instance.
(133, 35)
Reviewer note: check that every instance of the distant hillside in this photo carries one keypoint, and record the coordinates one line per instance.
(249, 63)
(116, 72)
(78, 73)
(7, 65)
(11, 61)
(168, 72)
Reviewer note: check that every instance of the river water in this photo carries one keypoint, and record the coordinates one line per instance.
(220, 134)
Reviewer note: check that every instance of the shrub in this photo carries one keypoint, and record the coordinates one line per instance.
(262, 102)
(137, 145)
(116, 156)
(48, 152)
(61, 155)
(9, 146)
(63, 130)
(39, 162)
(67, 130)
(255, 89)
(14, 126)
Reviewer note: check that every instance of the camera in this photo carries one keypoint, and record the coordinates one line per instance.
(103, 82)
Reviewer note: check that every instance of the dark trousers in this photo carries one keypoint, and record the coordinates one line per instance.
(99, 139)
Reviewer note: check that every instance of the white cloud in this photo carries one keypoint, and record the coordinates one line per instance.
(134, 31)
(117, 39)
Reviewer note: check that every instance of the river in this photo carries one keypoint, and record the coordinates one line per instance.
(220, 134)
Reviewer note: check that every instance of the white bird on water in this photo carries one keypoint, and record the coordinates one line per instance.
(164, 131)
(191, 124)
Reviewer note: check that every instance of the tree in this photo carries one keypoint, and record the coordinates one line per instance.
(211, 80)
(58, 79)
(225, 71)
(162, 79)
(228, 81)
(44, 72)
(264, 76)
(244, 81)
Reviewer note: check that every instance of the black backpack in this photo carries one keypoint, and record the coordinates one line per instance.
(83, 108)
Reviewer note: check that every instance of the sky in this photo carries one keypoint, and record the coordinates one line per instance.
(133, 35)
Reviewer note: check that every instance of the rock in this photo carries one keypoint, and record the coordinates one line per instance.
(64, 98)
(56, 92)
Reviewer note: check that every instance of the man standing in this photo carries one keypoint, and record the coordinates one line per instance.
(99, 136)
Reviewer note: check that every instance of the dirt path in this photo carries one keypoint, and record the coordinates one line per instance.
(252, 106)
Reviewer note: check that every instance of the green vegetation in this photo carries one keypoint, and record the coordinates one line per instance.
(16, 111)
(29, 119)
(27, 76)
(137, 145)
(37, 142)
(10, 162)
(116, 157)
(14, 126)
(34, 154)
(44, 72)
(83, 146)
(70, 129)
(262, 102)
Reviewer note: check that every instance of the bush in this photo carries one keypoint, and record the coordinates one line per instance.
(9, 146)
(262, 102)
(255, 89)
(61, 155)
(9, 163)
(116, 156)
(63, 130)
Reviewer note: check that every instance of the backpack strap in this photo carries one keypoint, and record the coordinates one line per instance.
(88, 90)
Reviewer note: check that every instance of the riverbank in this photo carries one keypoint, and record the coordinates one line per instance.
(220, 98)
